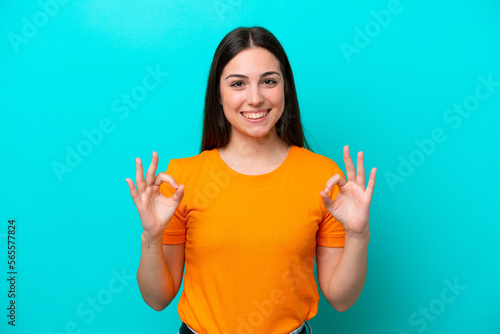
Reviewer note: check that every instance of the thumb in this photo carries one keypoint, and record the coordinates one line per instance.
(178, 194)
(327, 201)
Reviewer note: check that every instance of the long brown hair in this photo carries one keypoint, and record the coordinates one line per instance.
(216, 128)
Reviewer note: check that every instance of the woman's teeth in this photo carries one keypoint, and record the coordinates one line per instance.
(255, 115)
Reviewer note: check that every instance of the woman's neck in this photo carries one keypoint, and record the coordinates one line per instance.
(254, 156)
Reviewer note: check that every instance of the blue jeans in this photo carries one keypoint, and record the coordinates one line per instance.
(303, 329)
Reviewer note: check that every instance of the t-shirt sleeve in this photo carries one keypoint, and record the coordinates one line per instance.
(175, 232)
(331, 232)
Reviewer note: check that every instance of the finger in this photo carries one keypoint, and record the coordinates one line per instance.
(371, 181)
(327, 201)
(349, 166)
(133, 192)
(150, 174)
(162, 177)
(139, 176)
(337, 179)
(179, 193)
(360, 178)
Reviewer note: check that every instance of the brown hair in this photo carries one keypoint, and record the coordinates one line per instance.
(216, 128)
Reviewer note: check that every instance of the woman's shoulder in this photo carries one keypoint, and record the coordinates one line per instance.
(190, 163)
(313, 165)
(314, 159)
(184, 169)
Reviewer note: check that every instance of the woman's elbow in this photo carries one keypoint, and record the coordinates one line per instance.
(342, 308)
(157, 306)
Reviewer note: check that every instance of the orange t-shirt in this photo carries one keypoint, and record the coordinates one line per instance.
(251, 241)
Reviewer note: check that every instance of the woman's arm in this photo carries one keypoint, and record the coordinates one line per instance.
(160, 268)
(342, 271)
(160, 273)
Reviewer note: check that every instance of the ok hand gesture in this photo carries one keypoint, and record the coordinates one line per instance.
(155, 210)
(351, 207)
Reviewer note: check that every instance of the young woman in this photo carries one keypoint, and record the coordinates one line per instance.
(249, 214)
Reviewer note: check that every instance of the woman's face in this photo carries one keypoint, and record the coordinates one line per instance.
(252, 93)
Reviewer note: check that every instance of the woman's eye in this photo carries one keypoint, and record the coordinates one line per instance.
(237, 84)
(270, 81)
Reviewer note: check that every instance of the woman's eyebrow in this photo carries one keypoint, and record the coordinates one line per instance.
(245, 77)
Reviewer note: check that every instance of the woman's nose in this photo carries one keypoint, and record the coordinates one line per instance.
(254, 96)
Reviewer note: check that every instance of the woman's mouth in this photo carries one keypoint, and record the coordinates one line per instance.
(255, 115)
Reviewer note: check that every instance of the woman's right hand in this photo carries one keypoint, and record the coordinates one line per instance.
(155, 210)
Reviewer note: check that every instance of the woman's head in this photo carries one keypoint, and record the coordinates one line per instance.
(276, 91)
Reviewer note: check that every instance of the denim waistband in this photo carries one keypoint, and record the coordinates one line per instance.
(185, 329)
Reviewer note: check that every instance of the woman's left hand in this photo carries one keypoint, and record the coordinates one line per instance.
(351, 207)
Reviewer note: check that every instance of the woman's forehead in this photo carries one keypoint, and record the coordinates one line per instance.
(252, 61)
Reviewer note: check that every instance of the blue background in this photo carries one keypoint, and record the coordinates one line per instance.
(65, 67)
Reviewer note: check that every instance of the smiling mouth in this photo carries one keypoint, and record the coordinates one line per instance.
(255, 115)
